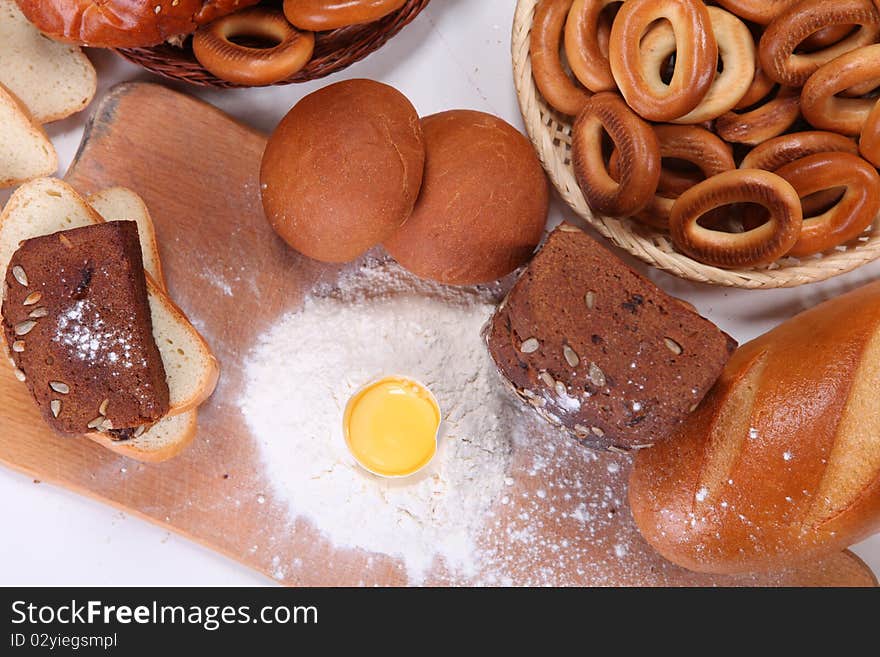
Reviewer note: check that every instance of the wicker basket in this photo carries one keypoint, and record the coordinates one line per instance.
(550, 133)
(334, 51)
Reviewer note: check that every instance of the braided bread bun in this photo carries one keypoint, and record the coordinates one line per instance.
(781, 461)
(124, 23)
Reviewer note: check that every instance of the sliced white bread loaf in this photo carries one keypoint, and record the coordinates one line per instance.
(49, 205)
(53, 80)
(25, 150)
(120, 204)
(169, 437)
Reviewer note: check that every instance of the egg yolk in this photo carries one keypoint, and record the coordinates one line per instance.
(391, 427)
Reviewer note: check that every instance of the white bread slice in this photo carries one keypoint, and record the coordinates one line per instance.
(48, 205)
(25, 150)
(53, 80)
(121, 203)
(190, 366)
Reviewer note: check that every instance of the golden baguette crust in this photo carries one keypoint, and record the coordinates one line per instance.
(781, 461)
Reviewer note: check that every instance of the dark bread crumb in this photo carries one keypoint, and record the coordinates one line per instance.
(600, 350)
(95, 340)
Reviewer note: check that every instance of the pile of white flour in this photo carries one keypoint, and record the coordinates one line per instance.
(381, 321)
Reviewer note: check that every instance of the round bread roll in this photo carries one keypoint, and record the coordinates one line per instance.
(343, 169)
(124, 23)
(483, 204)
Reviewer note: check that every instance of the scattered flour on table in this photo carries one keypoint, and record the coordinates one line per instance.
(379, 321)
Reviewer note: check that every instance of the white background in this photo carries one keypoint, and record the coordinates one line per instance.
(455, 55)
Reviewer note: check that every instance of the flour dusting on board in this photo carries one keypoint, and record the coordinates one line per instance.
(379, 321)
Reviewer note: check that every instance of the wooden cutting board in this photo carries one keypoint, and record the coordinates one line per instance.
(197, 169)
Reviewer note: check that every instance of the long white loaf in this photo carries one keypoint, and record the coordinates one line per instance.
(781, 461)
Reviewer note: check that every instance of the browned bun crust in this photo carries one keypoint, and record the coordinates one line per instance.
(124, 23)
(343, 169)
(483, 204)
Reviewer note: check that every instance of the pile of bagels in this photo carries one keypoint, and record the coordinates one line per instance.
(458, 197)
(750, 130)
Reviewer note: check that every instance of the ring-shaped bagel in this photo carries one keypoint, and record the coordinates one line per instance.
(765, 121)
(869, 142)
(696, 58)
(551, 78)
(779, 151)
(826, 37)
(324, 15)
(851, 215)
(822, 106)
(736, 49)
(673, 183)
(759, 246)
(583, 45)
(760, 88)
(639, 156)
(689, 143)
(757, 11)
(778, 45)
(782, 150)
(215, 50)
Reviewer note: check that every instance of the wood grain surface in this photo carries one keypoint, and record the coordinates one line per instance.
(197, 170)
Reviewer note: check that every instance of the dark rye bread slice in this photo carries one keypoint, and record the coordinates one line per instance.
(600, 350)
(77, 320)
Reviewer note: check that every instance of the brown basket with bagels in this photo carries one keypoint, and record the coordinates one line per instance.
(733, 144)
(229, 43)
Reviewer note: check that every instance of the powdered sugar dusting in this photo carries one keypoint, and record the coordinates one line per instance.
(82, 328)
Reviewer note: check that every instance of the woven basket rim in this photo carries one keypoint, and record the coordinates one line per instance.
(550, 134)
(334, 51)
